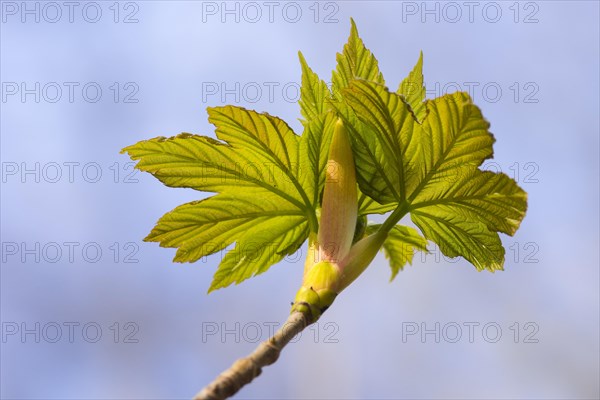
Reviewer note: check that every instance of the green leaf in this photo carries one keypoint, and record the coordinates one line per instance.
(313, 93)
(400, 245)
(402, 156)
(462, 217)
(193, 161)
(459, 236)
(204, 227)
(411, 155)
(368, 206)
(264, 242)
(412, 89)
(492, 198)
(261, 151)
(267, 142)
(453, 138)
(431, 170)
(355, 61)
(382, 128)
(314, 151)
(265, 199)
(260, 248)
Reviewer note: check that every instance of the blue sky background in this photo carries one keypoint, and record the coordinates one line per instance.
(534, 70)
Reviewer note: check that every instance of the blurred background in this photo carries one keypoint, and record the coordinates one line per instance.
(90, 311)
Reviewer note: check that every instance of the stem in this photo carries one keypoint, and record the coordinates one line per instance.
(244, 370)
(394, 217)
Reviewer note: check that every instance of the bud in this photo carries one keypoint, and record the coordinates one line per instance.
(333, 262)
(359, 258)
(340, 198)
(318, 290)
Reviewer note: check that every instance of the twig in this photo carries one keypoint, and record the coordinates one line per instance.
(244, 370)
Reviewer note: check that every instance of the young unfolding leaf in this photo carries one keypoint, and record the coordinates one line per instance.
(313, 93)
(315, 106)
(432, 170)
(266, 205)
(355, 61)
(314, 150)
(400, 246)
(364, 150)
(412, 89)
(411, 155)
(382, 131)
(265, 229)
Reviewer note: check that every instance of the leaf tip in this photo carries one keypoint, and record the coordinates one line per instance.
(211, 289)
(301, 57)
(217, 284)
(353, 28)
(127, 149)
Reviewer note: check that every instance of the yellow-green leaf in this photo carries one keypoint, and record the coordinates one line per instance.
(314, 150)
(355, 61)
(266, 199)
(313, 93)
(412, 89)
(261, 246)
(400, 246)
(459, 236)
(204, 227)
(431, 169)
(411, 156)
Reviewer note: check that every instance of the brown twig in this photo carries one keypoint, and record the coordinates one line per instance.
(244, 370)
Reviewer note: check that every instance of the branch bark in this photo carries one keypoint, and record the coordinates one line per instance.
(244, 370)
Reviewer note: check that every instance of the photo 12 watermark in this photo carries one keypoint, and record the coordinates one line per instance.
(488, 92)
(54, 172)
(252, 92)
(254, 332)
(56, 12)
(525, 252)
(452, 12)
(522, 172)
(70, 92)
(469, 332)
(271, 12)
(69, 332)
(71, 252)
